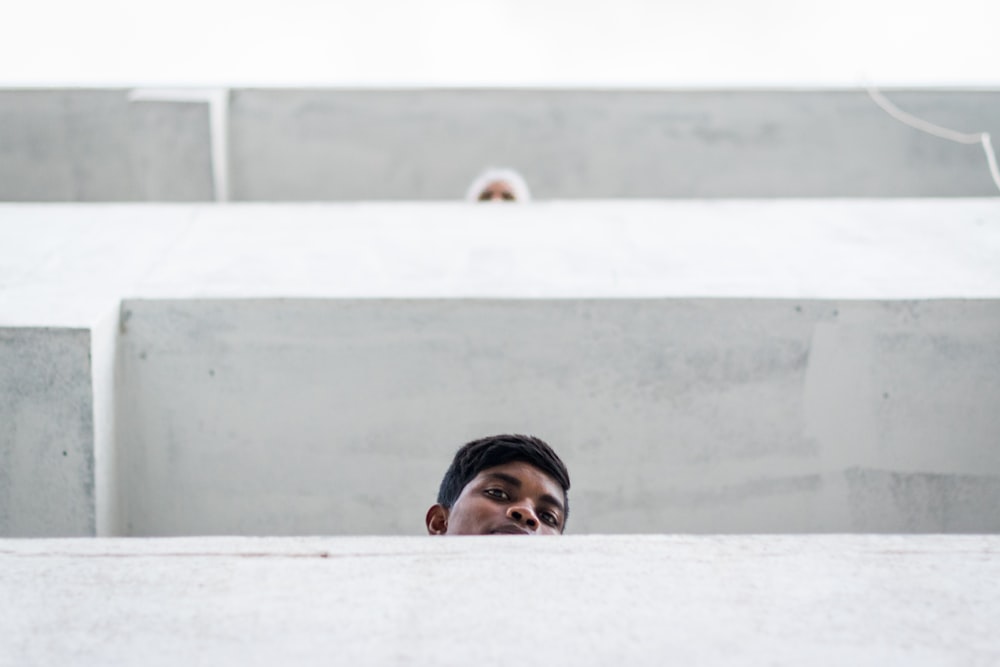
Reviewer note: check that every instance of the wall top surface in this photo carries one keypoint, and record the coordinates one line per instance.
(70, 265)
(827, 600)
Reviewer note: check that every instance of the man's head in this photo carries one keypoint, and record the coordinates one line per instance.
(498, 184)
(502, 484)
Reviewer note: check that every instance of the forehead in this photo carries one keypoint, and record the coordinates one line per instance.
(531, 478)
(498, 186)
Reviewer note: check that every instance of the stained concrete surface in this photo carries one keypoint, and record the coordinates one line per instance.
(694, 415)
(887, 501)
(638, 600)
(345, 145)
(348, 145)
(46, 433)
(96, 145)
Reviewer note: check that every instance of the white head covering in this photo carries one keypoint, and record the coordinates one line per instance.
(516, 182)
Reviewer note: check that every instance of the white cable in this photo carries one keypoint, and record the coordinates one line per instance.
(991, 158)
(982, 138)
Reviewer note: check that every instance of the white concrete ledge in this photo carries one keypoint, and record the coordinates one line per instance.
(69, 265)
(598, 600)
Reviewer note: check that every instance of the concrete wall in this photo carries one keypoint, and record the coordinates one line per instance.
(780, 365)
(335, 145)
(327, 417)
(46, 433)
(96, 145)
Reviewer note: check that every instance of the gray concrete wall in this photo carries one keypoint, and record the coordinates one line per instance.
(96, 145)
(337, 145)
(46, 433)
(342, 145)
(339, 417)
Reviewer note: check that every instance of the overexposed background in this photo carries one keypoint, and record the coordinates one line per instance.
(550, 43)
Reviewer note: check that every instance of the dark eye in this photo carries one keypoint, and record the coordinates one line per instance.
(507, 196)
(549, 518)
(499, 494)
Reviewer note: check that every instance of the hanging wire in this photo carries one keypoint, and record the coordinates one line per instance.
(982, 138)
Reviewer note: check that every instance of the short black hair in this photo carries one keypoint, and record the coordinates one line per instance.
(478, 455)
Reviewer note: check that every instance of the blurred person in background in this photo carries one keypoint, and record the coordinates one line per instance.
(498, 184)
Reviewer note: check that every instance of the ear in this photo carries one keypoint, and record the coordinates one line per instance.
(437, 520)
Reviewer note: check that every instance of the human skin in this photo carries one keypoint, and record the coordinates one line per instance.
(514, 498)
(497, 191)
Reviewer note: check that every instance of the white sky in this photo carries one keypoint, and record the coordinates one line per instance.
(670, 43)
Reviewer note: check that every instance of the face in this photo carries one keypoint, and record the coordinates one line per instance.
(515, 498)
(497, 191)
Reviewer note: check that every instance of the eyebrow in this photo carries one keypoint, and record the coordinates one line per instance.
(514, 481)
